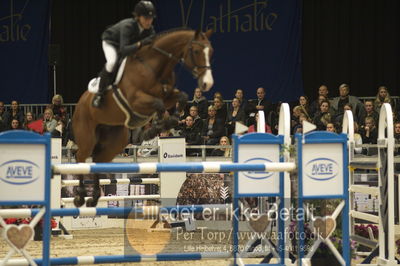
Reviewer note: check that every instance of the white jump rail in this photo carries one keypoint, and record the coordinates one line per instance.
(151, 168)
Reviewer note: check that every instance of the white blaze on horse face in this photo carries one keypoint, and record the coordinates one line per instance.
(207, 80)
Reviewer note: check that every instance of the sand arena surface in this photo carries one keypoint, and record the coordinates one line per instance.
(112, 242)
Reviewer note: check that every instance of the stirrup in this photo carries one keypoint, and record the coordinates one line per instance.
(97, 100)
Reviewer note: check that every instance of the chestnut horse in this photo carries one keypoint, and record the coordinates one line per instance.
(147, 84)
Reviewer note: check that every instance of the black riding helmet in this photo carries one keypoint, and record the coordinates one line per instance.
(145, 8)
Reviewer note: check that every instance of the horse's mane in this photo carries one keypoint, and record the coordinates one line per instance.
(166, 32)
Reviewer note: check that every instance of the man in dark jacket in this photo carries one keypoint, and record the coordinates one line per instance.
(260, 104)
(122, 39)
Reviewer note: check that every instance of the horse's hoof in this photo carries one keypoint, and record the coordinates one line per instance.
(79, 201)
(91, 203)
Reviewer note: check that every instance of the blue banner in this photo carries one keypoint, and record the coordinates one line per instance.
(256, 42)
(24, 33)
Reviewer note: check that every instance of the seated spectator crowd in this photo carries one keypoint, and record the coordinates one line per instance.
(204, 123)
(54, 119)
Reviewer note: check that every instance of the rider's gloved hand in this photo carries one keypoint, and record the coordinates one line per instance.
(146, 41)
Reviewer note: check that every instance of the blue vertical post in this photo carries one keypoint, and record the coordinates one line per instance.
(300, 203)
(235, 217)
(32, 152)
(47, 203)
(258, 148)
(323, 174)
(346, 209)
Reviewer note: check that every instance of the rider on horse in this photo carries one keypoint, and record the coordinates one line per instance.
(122, 39)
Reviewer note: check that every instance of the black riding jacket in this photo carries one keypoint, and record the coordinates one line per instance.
(125, 35)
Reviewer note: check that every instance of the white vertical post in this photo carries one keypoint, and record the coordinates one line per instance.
(261, 122)
(284, 130)
(55, 202)
(386, 126)
(348, 128)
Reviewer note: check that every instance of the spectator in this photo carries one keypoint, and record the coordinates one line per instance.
(235, 114)
(338, 102)
(331, 127)
(3, 122)
(200, 102)
(323, 117)
(213, 128)
(382, 97)
(2, 126)
(192, 134)
(15, 124)
(297, 111)
(2, 112)
(261, 104)
(49, 123)
(220, 107)
(368, 111)
(181, 118)
(59, 111)
(146, 152)
(303, 102)
(218, 94)
(299, 127)
(28, 119)
(314, 106)
(339, 118)
(369, 134)
(14, 113)
(243, 102)
(226, 152)
(397, 137)
(313, 111)
(253, 128)
(198, 122)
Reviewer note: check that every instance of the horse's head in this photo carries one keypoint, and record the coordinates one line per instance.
(197, 57)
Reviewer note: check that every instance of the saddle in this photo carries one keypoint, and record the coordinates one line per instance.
(93, 85)
(133, 119)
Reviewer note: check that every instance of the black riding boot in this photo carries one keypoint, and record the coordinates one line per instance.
(105, 81)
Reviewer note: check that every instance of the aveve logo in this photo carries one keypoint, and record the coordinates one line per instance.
(322, 169)
(257, 174)
(19, 172)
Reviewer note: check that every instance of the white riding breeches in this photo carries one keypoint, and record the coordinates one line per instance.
(111, 56)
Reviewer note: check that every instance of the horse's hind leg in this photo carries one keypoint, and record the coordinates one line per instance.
(85, 138)
(112, 140)
(92, 202)
(79, 199)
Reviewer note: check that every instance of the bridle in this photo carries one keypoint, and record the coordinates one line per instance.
(181, 60)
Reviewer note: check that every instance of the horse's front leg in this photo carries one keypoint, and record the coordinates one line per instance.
(146, 104)
(176, 96)
(79, 199)
(92, 202)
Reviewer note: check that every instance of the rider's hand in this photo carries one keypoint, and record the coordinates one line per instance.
(146, 41)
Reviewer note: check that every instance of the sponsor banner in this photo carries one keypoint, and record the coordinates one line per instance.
(22, 172)
(256, 43)
(171, 150)
(322, 171)
(255, 182)
(24, 39)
